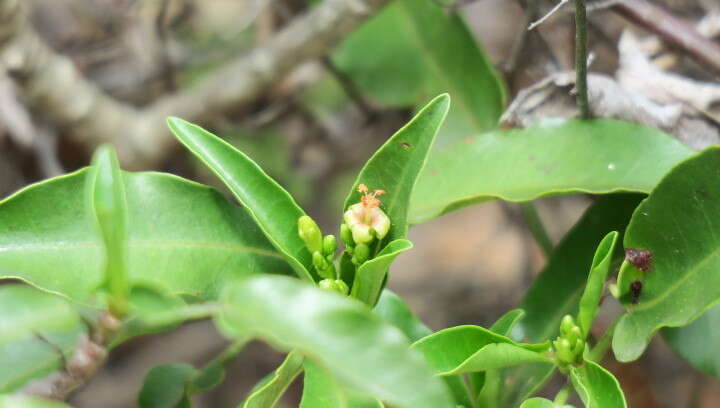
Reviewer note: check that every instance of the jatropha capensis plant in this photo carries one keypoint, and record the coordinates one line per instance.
(100, 256)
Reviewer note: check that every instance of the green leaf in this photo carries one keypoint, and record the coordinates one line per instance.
(507, 322)
(26, 401)
(692, 341)
(342, 334)
(165, 386)
(429, 52)
(561, 282)
(370, 276)
(268, 203)
(540, 403)
(590, 300)
(106, 198)
(183, 237)
(678, 224)
(596, 387)
(321, 390)
(267, 393)
(466, 349)
(556, 157)
(391, 308)
(213, 374)
(35, 328)
(396, 166)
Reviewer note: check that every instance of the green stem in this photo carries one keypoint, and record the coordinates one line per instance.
(581, 43)
(562, 396)
(603, 345)
(536, 227)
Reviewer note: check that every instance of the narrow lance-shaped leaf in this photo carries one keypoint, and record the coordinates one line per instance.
(37, 330)
(596, 387)
(552, 158)
(674, 235)
(370, 276)
(268, 392)
(183, 237)
(465, 349)
(590, 300)
(109, 207)
(394, 168)
(396, 165)
(275, 211)
(335, 332)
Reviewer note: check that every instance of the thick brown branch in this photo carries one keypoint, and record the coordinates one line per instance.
(672, 30)
(53, 87)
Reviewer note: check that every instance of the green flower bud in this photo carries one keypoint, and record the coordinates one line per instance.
(362, 253)
(334, 285)
(564, 351)
(346, 236)
(319, 261)
(575, 334)
(578, 350)
(341, 287)
(329, 245)
(566, 325)
(310, 233)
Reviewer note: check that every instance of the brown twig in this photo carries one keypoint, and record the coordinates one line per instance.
(672, 30)
(52, 86)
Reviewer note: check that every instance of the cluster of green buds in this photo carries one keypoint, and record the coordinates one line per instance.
(321, 248)
(334, 285)
(570, 345)
(363, 223)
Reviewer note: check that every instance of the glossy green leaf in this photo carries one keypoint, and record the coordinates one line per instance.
(165, 386)
(596, 387)
(396, 166)
(391, 308)
(268, 392)
(321, 390)
(107, 200)
(429, 52)
(274, 210)
(599, 270)
(213, 374)
(26, 401)
(183, 237)
(465, 349)
(563, 281)
(35, 327)
(693, 341)
(507, 322)
(487, 385)
(340, 333)
(552, 158)
(678, 224)
(541, 403)
(370, 276)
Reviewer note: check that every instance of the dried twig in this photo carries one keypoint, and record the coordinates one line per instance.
(671, 29)
(581, 58)
(52, 86)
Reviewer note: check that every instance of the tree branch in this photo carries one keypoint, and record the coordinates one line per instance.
(53, 87)
(672, 30)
